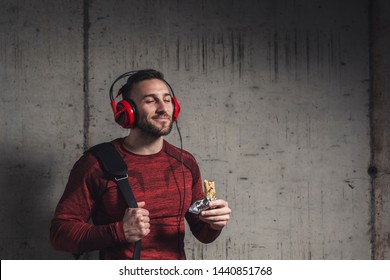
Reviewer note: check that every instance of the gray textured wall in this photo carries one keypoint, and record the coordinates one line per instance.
(284, 104)
(380, 129)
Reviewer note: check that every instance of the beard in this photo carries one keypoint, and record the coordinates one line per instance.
(152, 130)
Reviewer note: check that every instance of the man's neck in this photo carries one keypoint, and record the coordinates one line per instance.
(141, 144)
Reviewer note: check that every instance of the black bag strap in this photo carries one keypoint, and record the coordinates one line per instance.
(112, 163)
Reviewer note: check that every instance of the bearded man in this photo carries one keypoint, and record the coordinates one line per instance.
(165, 181)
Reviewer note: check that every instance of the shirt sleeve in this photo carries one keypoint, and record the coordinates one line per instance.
(70, 230)
(201, 230)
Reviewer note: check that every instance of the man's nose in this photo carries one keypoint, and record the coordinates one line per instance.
(163, 106)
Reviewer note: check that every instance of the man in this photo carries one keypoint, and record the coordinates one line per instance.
(165, 182)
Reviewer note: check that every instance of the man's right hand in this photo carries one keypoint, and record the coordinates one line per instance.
(136, 223)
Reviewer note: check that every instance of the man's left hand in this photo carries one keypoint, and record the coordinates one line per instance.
(217, 215)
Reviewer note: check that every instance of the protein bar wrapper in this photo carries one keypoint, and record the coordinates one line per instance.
(203, 204)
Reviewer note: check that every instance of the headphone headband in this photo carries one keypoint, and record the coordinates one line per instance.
(127, 74)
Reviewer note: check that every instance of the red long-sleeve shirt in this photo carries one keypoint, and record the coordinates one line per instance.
(156, 179)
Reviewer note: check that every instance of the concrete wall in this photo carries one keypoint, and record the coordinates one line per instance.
(380, 129)
(41, 121)
(278, 106)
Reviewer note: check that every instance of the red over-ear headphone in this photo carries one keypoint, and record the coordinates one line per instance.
(125, 112)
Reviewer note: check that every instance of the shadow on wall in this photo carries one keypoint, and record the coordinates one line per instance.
(31, 183)
(27, 191)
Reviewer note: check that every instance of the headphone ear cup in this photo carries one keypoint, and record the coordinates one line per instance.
(176, 109)
(125, 114)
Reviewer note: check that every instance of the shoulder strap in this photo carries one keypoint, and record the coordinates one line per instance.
(110, 159)
(112, 163)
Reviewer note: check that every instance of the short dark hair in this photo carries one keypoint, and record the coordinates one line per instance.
(141, 75)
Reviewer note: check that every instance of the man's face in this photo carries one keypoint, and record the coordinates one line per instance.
(154, 107)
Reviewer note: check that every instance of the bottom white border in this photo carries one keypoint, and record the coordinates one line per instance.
(190, 269)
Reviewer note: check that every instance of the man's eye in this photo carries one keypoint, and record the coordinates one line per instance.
(149, 101)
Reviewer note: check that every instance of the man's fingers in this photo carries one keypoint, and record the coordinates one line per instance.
(218, 203)
(218, 215)
(215, 212)
(140, 210)
(215, 218)
(141, 204)
(146, 219)
(136, 222)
